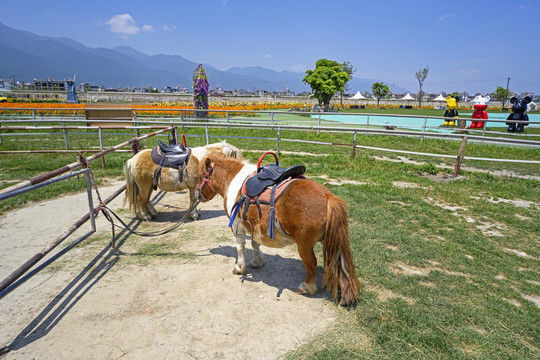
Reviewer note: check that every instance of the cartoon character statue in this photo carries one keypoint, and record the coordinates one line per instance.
(519, 107)
(451, 110)
(480, 106)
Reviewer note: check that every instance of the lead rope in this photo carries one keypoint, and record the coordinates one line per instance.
(107, 212)
(101, 205)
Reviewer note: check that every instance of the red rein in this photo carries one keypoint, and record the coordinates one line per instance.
(205, 181)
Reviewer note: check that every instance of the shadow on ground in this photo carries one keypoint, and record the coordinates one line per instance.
(60, 306)
(278, 272)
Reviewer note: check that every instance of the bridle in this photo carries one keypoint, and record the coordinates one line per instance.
(205, 181)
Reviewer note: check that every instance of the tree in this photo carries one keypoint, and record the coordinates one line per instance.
(327, 79)
(455, 95)
(380, 90)
(501, 94)
(200, 91)
(421, 75)
(347, 67)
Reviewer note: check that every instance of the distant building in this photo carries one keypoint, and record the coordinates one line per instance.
(50, 84)
(7, 84)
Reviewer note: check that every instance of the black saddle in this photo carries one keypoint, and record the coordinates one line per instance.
(170, 155)
(270, 175)
(171, 149)
(173, 156)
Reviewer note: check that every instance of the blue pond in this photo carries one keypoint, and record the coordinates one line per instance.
(415, 123)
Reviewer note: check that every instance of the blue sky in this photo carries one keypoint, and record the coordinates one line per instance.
(468, 45)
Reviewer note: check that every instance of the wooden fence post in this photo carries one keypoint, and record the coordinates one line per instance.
(354, 145)
(423, 129)
(182, 119)
(367, 125)
(277, 142)
(460, 155)
(101, 146)
(64, 132)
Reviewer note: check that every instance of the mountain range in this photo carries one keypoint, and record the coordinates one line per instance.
(26, 56)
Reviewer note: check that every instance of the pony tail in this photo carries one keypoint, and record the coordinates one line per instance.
(339, 270)
(132, 190)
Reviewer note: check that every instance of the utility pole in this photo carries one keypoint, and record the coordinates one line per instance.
(507, 83)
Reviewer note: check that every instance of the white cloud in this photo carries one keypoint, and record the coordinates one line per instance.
(521, 7)
(268, 56)
(123, 24)
(446, 16)
(168, 27)
(147, 28)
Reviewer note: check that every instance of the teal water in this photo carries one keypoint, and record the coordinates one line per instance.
(415, 123)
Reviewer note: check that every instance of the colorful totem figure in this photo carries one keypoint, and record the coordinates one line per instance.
(519, 107)
(451, 110)
(480, 106)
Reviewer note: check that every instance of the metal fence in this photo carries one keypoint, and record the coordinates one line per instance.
(32, 122)
(42, 122)
(23, 272)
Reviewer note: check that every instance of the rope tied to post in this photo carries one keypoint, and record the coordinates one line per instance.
(101, 204)
(107, 211)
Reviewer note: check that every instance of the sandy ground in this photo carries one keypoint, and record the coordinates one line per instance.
(101, 303)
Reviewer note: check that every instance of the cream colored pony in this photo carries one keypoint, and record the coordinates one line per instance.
(139, 172)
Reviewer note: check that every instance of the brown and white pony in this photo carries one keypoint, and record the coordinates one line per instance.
(306, 213)
(139, 172)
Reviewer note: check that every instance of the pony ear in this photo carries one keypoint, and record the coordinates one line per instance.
(208, 162)
(487, 98)
(513, 99)
(527, 99)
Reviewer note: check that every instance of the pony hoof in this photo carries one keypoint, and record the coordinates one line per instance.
(306, 289)
(195, 215)
(256, 265)
(144, 217)
(237, 271)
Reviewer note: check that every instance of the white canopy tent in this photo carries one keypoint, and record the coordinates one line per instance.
(357, 96)
(439, 98)
(407, 97)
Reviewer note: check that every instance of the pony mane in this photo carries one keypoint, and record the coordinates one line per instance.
(223, 159)
(221, 147)
(230, 150)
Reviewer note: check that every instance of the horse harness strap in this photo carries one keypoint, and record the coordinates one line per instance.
(265, 187)
(172, 156)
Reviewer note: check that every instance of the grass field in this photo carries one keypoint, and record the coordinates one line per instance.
(450, 268)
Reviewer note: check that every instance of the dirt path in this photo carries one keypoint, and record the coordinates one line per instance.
(168, 297)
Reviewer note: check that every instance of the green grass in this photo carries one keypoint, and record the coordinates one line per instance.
(436, 258)
(460, 307)
(17, 167)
